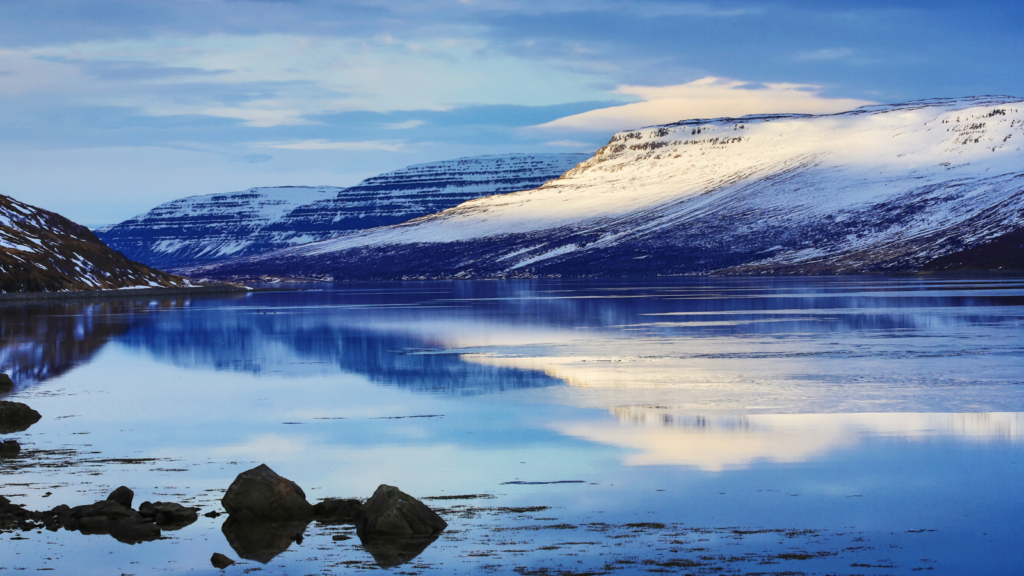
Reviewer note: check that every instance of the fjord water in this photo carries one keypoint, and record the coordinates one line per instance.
(863, 425)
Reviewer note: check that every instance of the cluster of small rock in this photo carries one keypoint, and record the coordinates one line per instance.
(113, 516)
(268, 512)
(261, 494)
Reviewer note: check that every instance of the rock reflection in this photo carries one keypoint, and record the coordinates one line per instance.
(262, 541)
(395, 551)
(716, 443)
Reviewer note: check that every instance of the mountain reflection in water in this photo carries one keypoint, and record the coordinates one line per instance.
(480, 337)
(43, 341)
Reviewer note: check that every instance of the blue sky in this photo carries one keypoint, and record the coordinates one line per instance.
(109, 107)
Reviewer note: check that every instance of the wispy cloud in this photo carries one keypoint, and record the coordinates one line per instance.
(705, 98)
(367, 145)
(293, 78)
(407, 125)
(824, 54)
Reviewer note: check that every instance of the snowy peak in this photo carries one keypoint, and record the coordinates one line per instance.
(43, 252)
(880, 188)
(202, 229)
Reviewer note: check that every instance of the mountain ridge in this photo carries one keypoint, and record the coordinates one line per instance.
(200, 229)
(883, 188)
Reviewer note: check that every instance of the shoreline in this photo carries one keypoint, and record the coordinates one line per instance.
(216, 289)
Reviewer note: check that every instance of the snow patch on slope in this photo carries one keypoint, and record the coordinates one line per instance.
(880, 187)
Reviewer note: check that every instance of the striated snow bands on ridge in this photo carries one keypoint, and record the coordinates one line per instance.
(889, 187)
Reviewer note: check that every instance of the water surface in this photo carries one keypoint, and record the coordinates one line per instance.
(819, 426)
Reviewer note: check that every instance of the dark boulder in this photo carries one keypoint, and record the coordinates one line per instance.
(6, 384)
(122, 496)
(261, 540)
(9, 448)
(337, 510)
(169, 515)
(16, 417)
(104, 508)
(108, 517)
(221, 561)
(103, 517)
(391, 512)
(262, 494)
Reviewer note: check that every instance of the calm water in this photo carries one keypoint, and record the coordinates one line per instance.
(727, 426)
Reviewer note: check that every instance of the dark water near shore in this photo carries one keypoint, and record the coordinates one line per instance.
(724, 426)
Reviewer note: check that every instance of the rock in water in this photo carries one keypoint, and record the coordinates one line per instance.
(9, 448)
(337, 510)
(122, 496)
(262, 494)
(169, 515)
(6, 384)
(221, 561)
(16, 417)
(391, 512)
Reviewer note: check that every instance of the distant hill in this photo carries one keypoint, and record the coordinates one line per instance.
(44, 252)
(926, 185)
(202, 229)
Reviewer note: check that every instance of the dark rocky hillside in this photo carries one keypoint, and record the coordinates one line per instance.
(44, 252)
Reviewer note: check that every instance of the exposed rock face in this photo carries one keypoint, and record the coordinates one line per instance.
(337, 510)
(169, 515)
(391, 512)
(927, 185)
(9, 448)
(44, 252)
(6, 384)
(262, 494)
(221, 561)
(16, 417)
(123, 496)
(203, 229)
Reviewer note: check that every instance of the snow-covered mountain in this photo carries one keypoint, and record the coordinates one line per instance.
(218, 226)
(933, 184)
(44, 252)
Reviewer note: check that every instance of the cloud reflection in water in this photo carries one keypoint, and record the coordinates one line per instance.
(723, 442)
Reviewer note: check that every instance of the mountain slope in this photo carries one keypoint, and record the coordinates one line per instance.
(880, 188)
(44, 252)
(207, 228)
(215, 227)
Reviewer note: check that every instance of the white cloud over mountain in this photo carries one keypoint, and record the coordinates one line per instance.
(708, 97)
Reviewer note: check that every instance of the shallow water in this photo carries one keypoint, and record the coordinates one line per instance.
(726, 426)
